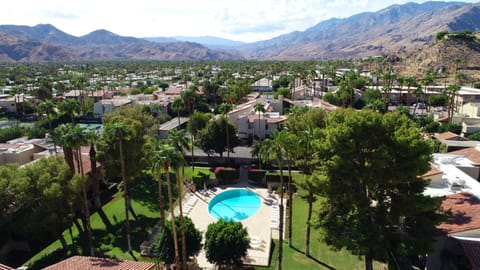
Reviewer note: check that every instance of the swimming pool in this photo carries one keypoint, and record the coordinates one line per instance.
(234, 205)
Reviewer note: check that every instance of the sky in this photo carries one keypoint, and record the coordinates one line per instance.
(241, 20)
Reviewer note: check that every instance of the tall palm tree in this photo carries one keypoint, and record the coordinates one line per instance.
(275, 148)
(177, 106)
(60, 136)
(177, 161)
(91, 137)
(306, 138)
(157, 169)
(224, 109)
(119, 132)
(290, 144)
(165, 154)
(259, 108)
(76, 138)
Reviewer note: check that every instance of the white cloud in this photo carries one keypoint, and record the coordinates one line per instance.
(245, 20)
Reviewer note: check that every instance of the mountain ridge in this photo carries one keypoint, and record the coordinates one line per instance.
(392, 30)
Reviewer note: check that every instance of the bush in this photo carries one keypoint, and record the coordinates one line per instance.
(199, 178)
(227, 175)
(256, 175)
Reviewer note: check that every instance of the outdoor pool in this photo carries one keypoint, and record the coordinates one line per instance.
(234, 205)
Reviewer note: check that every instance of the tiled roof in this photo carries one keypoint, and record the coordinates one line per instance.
(471, 153)
(433, 171)
(449, 136)
(472, 251)
(465, 209)
(94, 263)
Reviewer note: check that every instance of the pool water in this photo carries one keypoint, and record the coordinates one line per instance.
(234, 205)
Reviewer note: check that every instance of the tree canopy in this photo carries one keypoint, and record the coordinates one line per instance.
(375, 205)
(213, 139)
(226, 242)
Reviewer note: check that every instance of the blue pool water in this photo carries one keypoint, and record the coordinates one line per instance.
(234, 205)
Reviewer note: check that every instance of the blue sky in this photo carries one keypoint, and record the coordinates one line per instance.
(243, 20)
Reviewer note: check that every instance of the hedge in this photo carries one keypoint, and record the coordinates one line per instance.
(256, 175)
(227, 175)
(199, 178)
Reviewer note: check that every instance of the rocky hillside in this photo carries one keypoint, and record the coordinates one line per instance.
(398, 28)
(447, 56)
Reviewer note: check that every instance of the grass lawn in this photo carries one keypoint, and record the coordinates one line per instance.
(322, 257)
(108, 228)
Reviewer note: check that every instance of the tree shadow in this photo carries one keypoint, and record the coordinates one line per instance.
(314, 259)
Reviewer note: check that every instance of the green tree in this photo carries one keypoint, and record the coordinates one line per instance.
(69, 107)
(212, 138)
(48, 108)
(91, 138)
(178, 106)
(167, 155)
(260, 109)
(372, 163)
(450, 93)
(275, 147)
(224, 109)
(222, 234)
(164, 241)
(197, 122)
(118, 132)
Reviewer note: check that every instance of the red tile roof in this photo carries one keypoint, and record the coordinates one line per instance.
(450, 136)
(472, 251)
(94, 263)
(465, 209)
(471, 153)
(433, 171)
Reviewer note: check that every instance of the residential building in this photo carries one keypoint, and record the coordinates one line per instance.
(108, 105)
(175, 123)
(255, 126)
(262, 85)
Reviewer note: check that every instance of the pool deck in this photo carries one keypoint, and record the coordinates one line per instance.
(259, 225)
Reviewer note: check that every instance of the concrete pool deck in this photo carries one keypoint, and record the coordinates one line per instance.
(259, 225)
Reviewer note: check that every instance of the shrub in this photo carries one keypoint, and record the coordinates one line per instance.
(227, 175)
(256, 175)
(199, 178)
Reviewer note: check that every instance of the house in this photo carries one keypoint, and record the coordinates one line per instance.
(20, 150)
(95, 263)
(459, 234)
(108, 105)
(175, 123)
(12, 104)
(262, 85)
(82, 94)
(253, 126)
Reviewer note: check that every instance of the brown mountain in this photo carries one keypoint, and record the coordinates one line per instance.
(398, 28)
(47, 43)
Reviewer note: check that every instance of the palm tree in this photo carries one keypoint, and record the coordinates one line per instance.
(119, 132)
(305, 142)
(260, 108)
(157, 166)
(275, 148)
(166, 154)
(60, 136)
(69, 107)
(224, 109)
(290, 144)
(76, 138)
(92, 137)
(47, 107)
(177, 160)
(177, 106)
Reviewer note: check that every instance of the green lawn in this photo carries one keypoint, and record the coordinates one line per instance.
(322, 257)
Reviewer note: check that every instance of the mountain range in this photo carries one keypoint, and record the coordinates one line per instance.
(395, 29)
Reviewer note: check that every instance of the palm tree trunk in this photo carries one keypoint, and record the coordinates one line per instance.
(172, 214)
(280, 229)
(96, 183)
(290, 203)
(182, 222)
(85, 201)
(193, 155)
(161, 201)
(125, 195)
(228, 143)
(369, 260)
(309, 218)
